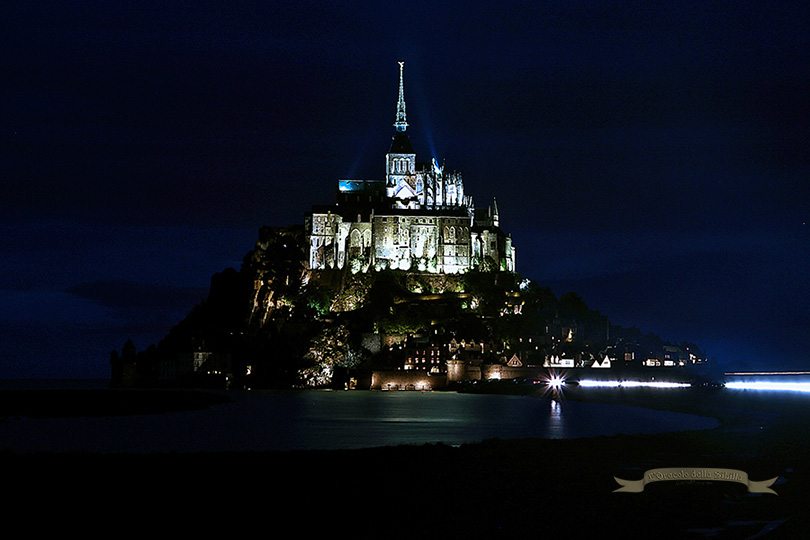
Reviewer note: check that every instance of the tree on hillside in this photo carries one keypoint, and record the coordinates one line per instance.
(329, 349)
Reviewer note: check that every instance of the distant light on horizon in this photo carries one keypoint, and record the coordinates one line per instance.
(770, 385)
(765, 373)
(632, 384)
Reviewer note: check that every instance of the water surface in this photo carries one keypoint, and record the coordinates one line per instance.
(313, 419)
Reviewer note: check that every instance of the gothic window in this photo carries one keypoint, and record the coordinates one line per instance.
(354, 238)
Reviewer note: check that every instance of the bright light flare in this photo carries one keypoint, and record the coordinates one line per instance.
(554, 383)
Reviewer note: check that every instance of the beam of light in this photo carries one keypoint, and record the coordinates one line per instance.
(765, 385)
(631, 384)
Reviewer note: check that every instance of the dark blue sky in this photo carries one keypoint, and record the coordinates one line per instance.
(652, 156)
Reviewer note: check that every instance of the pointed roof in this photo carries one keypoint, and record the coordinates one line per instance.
(401, 144)
(401, 124)
(515, 361)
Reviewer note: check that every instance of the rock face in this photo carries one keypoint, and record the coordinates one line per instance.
(275, 267)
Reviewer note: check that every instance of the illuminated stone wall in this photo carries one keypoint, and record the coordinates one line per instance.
(324, 241)
(418, 242)
(406, 380)
(501, 371)
(392, 242)
(457, 371)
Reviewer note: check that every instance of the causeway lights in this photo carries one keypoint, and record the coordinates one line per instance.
(766, 385)
(632, 384)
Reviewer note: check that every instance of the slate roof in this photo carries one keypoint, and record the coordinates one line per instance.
(401, 144)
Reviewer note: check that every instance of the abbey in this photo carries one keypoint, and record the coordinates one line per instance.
(419, 218)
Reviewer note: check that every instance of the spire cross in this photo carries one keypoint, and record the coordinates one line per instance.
(401, 124)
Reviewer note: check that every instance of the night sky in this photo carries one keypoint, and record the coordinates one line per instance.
(652, 156)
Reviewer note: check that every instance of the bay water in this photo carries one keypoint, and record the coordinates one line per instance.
(328, 420)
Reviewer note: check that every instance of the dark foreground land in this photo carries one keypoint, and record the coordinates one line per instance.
(494, 489)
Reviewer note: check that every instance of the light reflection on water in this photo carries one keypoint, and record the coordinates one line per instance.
(288, 420)
(556, 419)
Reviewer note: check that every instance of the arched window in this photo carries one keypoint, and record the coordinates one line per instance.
(355, 239)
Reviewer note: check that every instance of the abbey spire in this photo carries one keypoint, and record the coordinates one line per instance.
(400, 162)
(401, 124)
